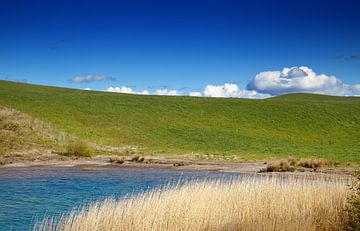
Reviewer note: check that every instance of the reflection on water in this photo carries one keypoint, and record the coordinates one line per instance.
(29, 194)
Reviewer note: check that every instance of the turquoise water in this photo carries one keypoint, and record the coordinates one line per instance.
(29, 194)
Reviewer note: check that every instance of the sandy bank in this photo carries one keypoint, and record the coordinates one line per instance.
(179, 164)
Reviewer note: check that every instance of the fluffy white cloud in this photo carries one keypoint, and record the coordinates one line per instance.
(86, 89)
(299, 79)
(195, 93)
(267, 84)
(90, 78)
(166, 92)
(355, 89)
(226, 90)
(127, 90)
(231, 90)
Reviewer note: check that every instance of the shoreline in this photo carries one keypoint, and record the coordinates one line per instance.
(249, 167)
(151, 162)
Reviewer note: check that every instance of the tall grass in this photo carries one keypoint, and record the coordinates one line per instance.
(251, 204)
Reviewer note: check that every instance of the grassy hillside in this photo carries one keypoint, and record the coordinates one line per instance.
(298, 125)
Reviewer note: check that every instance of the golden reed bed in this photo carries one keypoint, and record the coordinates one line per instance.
(238, 204)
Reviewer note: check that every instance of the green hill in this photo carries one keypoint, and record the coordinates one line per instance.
(291, 125)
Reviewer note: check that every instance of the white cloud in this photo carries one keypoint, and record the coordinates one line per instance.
(90, 78)
(231, 90)
(267, 84)
(299, 79)
(226, 90)
(86, 89)
(166, 92)
(127, 90)
(195, 93)
(355, 89)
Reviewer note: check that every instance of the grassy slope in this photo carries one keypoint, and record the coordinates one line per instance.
(25, 138)
(298, 125)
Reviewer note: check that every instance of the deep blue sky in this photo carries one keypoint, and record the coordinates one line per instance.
(175, 44)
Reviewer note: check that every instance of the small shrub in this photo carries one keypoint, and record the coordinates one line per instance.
(283, 166)
(291, 164)
(137, 158)
(310, 163)
(117, 159)
(79, 148)
(141, 159)
(314, 163)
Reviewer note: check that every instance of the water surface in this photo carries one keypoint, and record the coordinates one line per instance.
(28, 194)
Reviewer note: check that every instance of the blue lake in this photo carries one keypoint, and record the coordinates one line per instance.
(29, 194)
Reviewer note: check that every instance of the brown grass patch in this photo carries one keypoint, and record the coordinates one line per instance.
(117, 159)
(137, 158)
(20, 133)
(292, 164)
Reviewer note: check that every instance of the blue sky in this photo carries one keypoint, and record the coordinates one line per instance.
(182, 45)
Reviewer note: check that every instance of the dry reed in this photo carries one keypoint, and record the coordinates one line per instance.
(237, 204)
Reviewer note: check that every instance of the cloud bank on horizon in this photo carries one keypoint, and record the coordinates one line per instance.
(266, 84)
(91, 78)
(127, 90)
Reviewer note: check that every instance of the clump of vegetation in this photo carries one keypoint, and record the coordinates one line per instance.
(291, 164)
(117, 159)
(79, 148)
(238, 204)
(315, 163)
(137, 158)
(354, 205)
(282, 166)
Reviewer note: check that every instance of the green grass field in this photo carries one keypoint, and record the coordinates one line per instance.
(300, 125)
